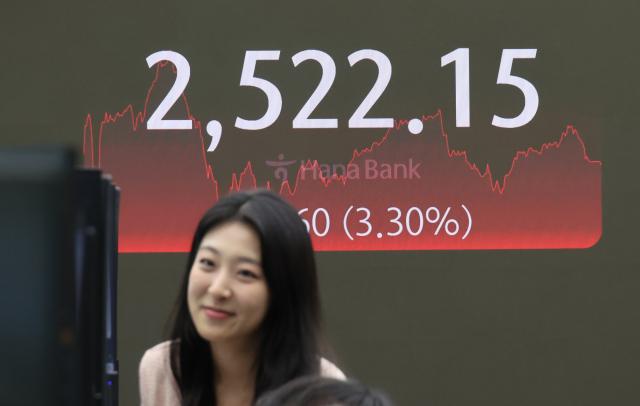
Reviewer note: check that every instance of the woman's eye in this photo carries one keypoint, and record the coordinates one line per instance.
(207, 263)
(248, 274)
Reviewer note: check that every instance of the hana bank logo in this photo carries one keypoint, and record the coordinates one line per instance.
(371, 169)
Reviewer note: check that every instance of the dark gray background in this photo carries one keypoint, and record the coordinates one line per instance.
(441, 328)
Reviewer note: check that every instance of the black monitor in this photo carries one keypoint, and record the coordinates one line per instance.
(111, 289)
(58, 281)
(96, 282)
(38, 341)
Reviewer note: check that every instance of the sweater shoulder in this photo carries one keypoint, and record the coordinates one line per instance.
(157, 383)
(329, 370)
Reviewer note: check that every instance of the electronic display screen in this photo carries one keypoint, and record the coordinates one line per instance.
(390, 134)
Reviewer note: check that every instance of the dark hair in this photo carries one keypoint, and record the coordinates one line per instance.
(318, 391)
(289, 344)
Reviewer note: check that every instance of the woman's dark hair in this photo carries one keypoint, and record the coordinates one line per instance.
(318, 391)
(289, 344)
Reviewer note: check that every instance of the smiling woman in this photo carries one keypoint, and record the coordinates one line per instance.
(247, 318)
(228, 294)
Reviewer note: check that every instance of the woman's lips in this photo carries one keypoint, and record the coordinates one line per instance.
(217, 314)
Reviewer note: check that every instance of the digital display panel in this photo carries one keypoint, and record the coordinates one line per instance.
(391, 136)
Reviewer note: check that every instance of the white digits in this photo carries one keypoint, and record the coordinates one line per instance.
(274, 98)
(364, 221)
(461, 58)
(505, 77)
(383, 63)
(313, 226)
(395, 221)
(302, 119)
(183, 71)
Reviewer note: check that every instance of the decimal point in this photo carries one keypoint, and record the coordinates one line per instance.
(415, 126)
(379, 235)
(214, 129)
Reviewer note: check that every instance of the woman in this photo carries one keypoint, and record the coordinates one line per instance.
(247, 319)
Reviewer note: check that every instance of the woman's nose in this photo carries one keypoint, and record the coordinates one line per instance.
(220, 286)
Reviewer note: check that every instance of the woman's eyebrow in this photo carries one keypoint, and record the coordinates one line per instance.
(249, 260)
(241, 258)
(210, 248)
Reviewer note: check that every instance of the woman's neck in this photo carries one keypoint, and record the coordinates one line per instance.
(234, 364)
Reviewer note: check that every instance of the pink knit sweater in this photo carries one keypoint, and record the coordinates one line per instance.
(159, 388)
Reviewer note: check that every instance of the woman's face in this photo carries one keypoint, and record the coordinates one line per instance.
(227, 293)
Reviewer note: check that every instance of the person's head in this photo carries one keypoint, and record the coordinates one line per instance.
(318, 391)
(251, 277)
(227, 292)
